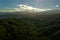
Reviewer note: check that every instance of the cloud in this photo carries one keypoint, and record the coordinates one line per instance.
(22, 7)
(57, 6)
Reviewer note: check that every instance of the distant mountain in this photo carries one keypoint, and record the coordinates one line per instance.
(26, 13)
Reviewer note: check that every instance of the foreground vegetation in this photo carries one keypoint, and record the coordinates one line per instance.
(29, 26)
(17, 29)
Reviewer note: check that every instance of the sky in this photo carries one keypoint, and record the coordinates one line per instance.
(11, 4)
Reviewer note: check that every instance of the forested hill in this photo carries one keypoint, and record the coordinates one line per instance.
(20, 29)
(30, 26)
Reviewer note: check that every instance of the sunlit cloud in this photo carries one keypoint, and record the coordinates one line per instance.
(22, 7)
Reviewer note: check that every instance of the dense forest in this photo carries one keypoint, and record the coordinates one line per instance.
(39, 27)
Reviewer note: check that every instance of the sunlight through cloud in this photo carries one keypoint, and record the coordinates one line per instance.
(22, 7)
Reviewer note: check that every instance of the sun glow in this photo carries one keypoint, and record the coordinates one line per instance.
(22, 7)
(29, 8)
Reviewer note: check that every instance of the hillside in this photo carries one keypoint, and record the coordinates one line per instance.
(29, 27)
(16, 29)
